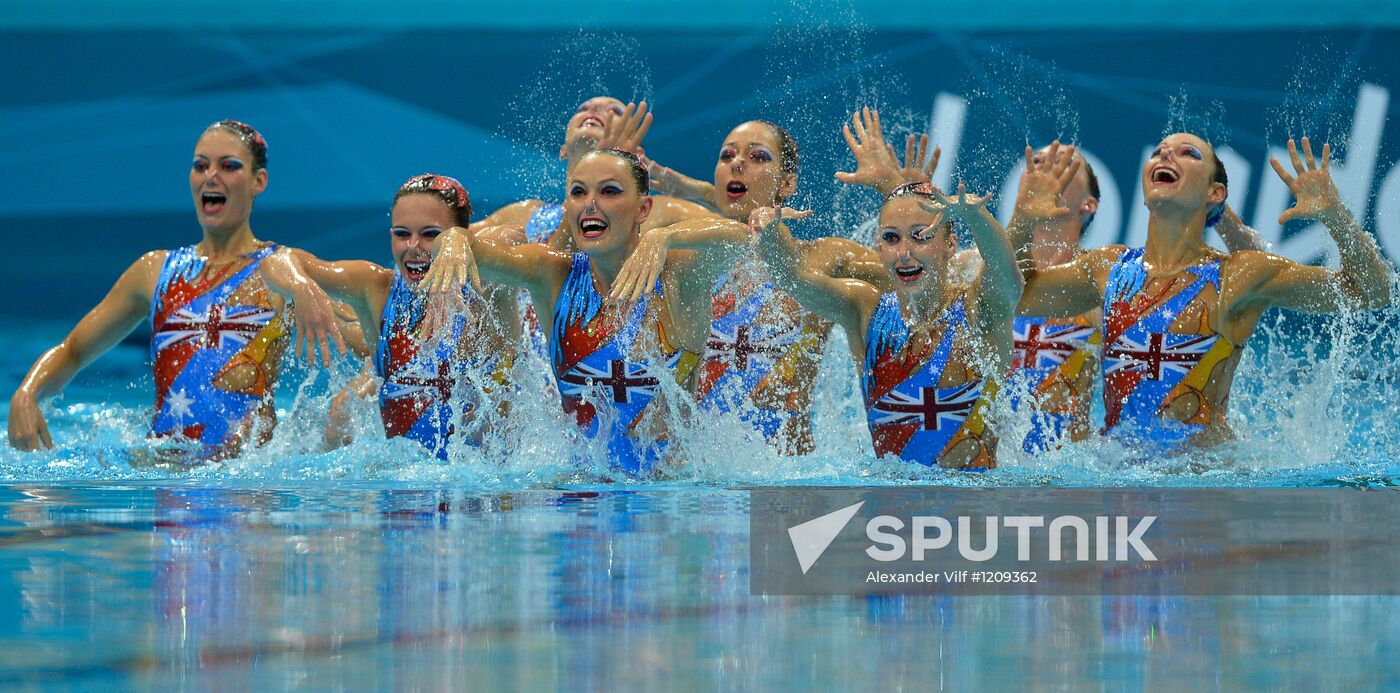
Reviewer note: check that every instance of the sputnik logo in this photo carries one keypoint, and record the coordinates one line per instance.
(811, 538)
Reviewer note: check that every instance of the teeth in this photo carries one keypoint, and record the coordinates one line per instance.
(212, 197)
(736, 186)
(908, 271)
(1164, 175)
(593, 225)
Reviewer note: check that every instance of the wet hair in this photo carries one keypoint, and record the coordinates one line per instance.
(1223, 178)
(446, 189)
(635, 167)
(924, 190)
(788, 160)
(250, 137)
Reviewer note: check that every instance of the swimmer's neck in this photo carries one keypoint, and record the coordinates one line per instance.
(924, 304)
(575, 151)
(1056, 242)
(1175, 240)
(606, 265)
(221, 244)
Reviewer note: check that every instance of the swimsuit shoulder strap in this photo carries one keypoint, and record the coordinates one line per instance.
(543, 222)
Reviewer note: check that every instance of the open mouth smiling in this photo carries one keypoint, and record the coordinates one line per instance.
(212, 202)
(592, 227)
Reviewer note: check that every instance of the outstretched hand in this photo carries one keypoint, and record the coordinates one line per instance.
(1041, 194)
(627, 131)
(640, 272)
(317, 325)
(963, 205)
(1316, 194)
(453, 264)
(919, 164)
(876, 166)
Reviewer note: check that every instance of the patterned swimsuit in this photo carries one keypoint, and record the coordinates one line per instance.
(1147, 367)
(908, 413)
(199, 336)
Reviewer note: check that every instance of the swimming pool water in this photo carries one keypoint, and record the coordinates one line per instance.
(378, 567)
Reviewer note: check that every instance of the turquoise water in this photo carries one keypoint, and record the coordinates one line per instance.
(378, 567)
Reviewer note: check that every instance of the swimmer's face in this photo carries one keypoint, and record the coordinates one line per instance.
(590, 118)
(223, 182)
(417, 219)
(913, 243)
(748, 174)
(1179, 173)
(603, 208)
(1076, 196)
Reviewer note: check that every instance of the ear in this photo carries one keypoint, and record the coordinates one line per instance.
(645, 210)
(787, 187)
(1216, 194)
(259, 182)
(1089, 206)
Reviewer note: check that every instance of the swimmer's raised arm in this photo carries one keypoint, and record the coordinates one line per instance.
(997, 289)
(1040, 197)
(834, 256)
(1236, 234)
(1364, 277)
(120, 311)
(668, 181)
(847, 302)
(513, 214)
(711, 245)
(1067, 290)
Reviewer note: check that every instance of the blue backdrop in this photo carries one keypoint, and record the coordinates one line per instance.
(97, 125)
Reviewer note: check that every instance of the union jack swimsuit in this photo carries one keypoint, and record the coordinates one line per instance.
(198, 336)
(1146, 365)
(415, 399)
(755, 334)
(594, 366)
(909, 415)
(1047, 351)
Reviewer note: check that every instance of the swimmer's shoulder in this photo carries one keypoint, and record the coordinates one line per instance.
(667, 210)
(141, 277)
(515, 213)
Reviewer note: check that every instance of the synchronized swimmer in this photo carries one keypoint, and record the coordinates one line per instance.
(704, 293)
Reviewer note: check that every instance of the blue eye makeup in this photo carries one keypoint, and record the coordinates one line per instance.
(432, 232)
(1192, 152)
(761, 154)
(889, 236)
(200, 164)
(611, 189)
(399, 231)
(726, 153)
(231, 164)
(576, 190)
